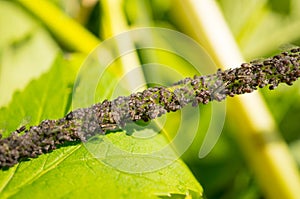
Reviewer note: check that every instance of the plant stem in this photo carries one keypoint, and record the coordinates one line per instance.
(115, 23)
(70, 33)
(258, 135)
(84, 123)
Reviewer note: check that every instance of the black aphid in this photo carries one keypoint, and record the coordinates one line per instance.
(81, 124)
(21, 129)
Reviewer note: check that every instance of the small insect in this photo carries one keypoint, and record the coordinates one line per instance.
(21, 129)
(267, 62)
(246, 65)
(106, 127)
(69, 116)
(295, 50)
(277, 57)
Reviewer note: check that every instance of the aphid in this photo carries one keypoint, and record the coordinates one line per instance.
(69, 116)
(21, 129)
(108, 126)
(277, 57)
(272, 87)
(267, 62)
(295, 50)
(245, 65)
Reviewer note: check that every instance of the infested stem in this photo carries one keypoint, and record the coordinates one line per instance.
(81, 124)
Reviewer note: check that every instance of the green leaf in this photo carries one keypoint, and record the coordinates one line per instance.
(26, 49)
(72, 171)
(44, 98)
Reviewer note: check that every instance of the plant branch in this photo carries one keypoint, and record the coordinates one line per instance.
(82, 124)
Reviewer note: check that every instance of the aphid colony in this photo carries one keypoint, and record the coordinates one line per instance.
(81, 124)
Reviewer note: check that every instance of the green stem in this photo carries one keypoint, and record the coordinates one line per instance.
(115, 22)
(69, 32)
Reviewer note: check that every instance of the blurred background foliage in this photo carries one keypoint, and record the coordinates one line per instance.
(261, 28)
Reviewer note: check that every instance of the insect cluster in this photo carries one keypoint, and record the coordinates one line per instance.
(81, 124)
